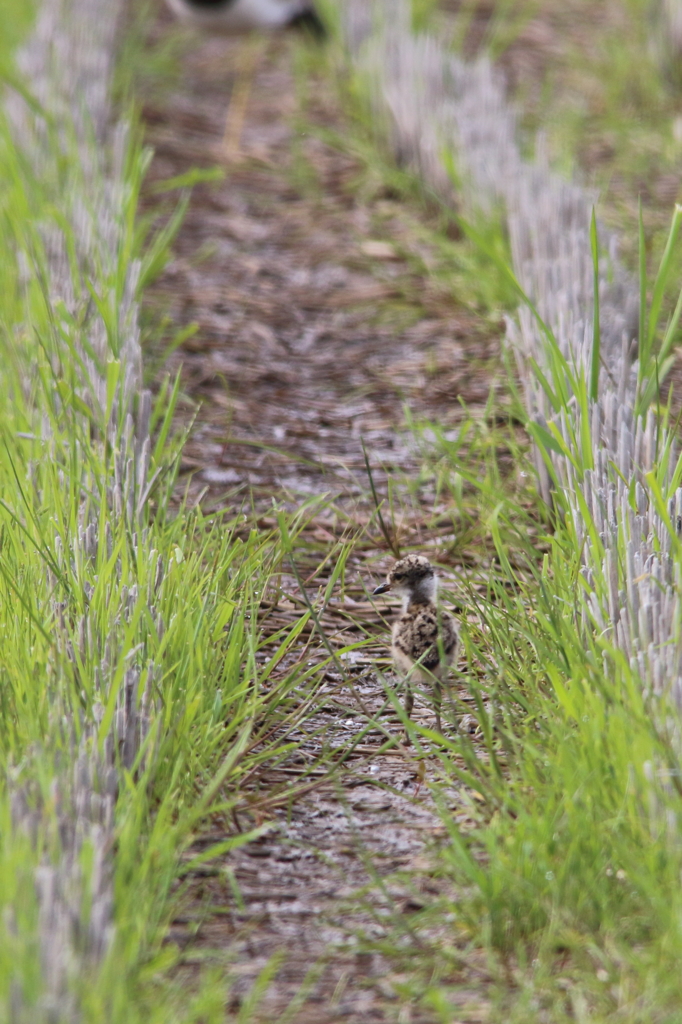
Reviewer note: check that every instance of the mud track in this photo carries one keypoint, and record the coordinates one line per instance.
(315, 330)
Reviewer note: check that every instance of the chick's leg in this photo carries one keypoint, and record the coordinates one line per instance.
(437, 705)
(408, 704)
(409, 700)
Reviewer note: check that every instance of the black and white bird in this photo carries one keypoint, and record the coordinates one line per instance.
(246, 18)
(234, 17)
(425, 637)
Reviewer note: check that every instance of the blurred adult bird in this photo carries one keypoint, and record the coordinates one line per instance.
(425, 637)
(246, 17)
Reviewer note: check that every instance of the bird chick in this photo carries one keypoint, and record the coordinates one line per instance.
(425, 638)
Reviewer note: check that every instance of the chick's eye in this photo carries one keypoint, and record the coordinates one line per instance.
(400, 575)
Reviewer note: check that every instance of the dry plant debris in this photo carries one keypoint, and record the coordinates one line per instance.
(312, 334)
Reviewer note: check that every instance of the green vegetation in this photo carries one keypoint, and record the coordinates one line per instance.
(457, 259)
(118, 612)
(563, 856)
(567, 872)
(608, 106)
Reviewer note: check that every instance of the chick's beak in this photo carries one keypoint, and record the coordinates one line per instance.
(382, 589)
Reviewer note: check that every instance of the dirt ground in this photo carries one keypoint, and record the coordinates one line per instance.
(313, 334)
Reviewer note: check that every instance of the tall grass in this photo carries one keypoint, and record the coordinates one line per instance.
(570, 875)
(569, 870)
(134, 697)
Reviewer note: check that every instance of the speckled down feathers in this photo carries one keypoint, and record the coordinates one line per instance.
(412, 567)
(415, 639)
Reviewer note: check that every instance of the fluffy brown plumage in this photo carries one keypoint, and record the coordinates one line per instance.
(425, 637)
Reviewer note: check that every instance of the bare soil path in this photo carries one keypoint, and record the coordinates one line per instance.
(315, 330)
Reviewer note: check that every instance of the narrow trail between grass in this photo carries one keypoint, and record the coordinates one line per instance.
(314, 331)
